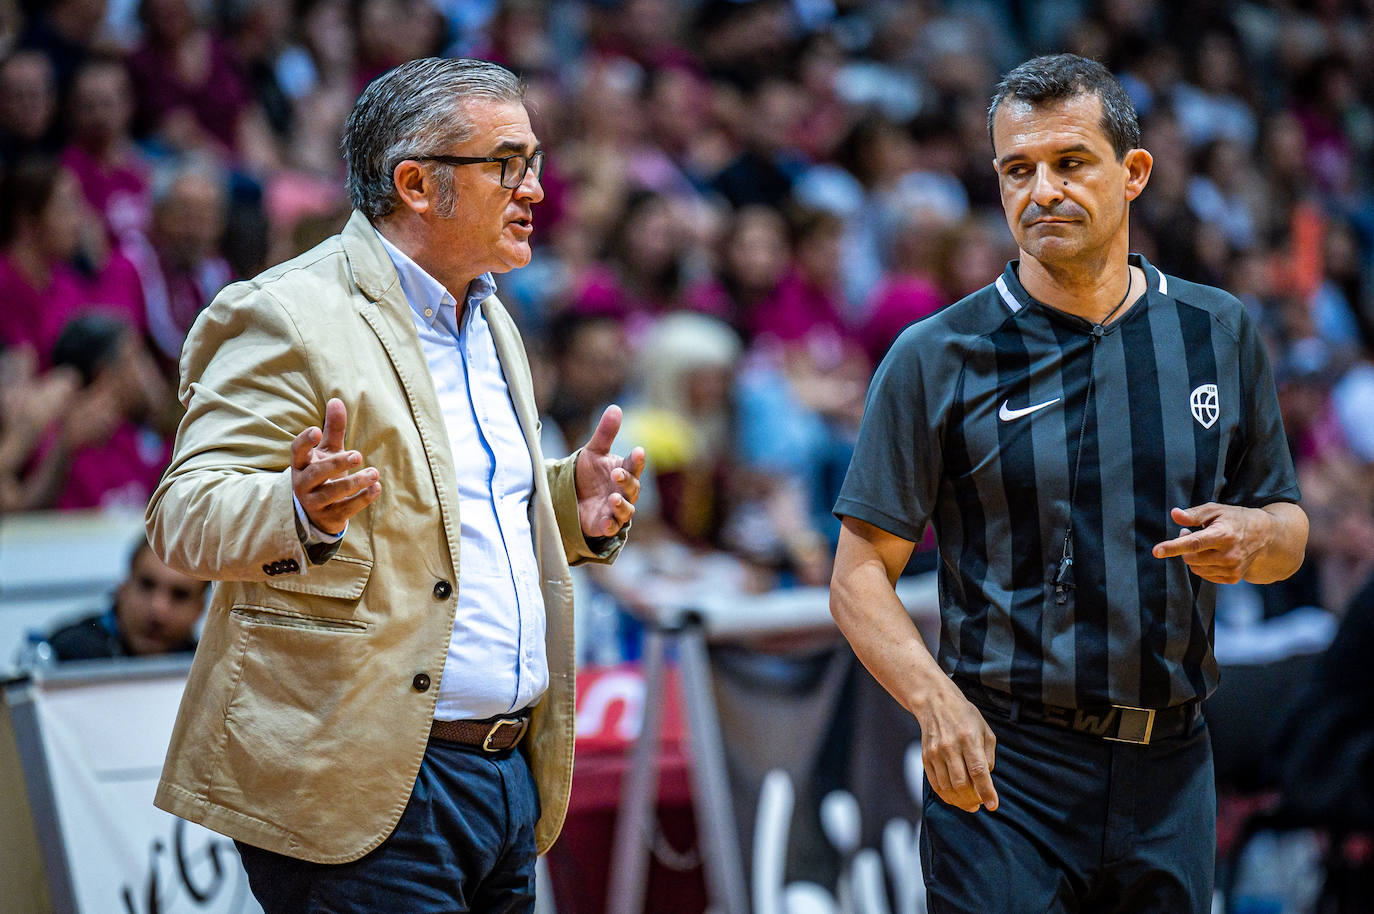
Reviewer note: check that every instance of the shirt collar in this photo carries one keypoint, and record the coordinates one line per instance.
(426, 294)
(1015, 296)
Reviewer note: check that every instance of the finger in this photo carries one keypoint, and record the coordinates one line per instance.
(364, 497)
(1196, 516)
(619, 517)
(628, 483)
(636, 461)
(1197, 541)
(332, 518)
(980, 777)
(938, 774)
(621, 510)
(1171, 548)
(335, 419)
(335, 490)
(302, 445)
(322, 469)
(606, 430)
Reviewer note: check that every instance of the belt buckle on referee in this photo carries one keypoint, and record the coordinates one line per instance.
(521, 722)
(1133, 725)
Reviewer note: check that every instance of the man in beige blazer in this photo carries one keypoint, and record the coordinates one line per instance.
(388, 653)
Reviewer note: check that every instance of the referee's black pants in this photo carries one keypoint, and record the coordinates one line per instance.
(1084, 825)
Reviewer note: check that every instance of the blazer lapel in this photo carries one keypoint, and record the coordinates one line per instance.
(388, 314)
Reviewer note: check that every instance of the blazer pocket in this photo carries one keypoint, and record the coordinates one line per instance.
(343, 577)
(279, 618)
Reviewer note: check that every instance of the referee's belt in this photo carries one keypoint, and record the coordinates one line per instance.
(1119, 723)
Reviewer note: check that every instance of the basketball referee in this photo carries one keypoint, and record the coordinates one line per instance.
(1097, 445)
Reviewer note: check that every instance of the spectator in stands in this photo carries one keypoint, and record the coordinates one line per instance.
(114, 441)
(768, 163)
(41, 213)
(587, 354)
(113, 172)
(64, 32)
(189, 84)
(179, 264)
(31, 405)
(155, 612)
(753, 257)
(28, 104)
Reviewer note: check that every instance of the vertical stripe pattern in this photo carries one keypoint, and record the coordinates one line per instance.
(1157, 409)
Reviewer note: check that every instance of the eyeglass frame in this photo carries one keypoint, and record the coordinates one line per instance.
(480, 160)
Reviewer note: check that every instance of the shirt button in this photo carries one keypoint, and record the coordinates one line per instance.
(442, 590)
(421, 682)
(429, 312)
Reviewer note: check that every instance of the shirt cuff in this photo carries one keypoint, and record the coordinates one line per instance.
(310, 534)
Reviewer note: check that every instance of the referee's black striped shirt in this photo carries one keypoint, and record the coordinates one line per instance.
(973, 424)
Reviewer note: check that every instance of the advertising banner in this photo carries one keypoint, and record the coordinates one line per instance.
(103, 741)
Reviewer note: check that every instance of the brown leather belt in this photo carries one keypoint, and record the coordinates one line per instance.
(1118, 723)
(495, 734)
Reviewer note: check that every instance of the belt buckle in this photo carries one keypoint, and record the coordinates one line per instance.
(1131, 727)
(521, 722)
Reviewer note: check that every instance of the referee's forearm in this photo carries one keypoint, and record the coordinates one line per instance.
(876, 624)
(1287, 545)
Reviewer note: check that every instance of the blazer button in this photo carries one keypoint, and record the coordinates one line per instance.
(267, 568)
(421, 682)
(442, 590)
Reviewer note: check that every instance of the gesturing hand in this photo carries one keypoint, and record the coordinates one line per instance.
(607, 484)
(1225, 546)
(324, 475)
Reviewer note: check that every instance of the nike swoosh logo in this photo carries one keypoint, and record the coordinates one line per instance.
(1006, 415)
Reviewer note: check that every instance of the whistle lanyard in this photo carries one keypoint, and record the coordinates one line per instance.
(1063, 578)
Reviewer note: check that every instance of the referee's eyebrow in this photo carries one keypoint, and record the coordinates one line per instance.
(1066, 150)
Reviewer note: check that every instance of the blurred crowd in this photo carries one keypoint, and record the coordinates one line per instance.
(746, 201)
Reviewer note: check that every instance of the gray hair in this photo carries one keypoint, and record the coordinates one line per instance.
(416, 109)
(1057, 77)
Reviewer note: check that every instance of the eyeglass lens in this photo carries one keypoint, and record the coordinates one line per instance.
(514, 168)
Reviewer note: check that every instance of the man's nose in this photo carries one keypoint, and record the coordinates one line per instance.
(160, 605)
(530, 188)
(1045, 192)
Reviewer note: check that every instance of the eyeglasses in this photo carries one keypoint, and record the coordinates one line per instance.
(513, 167)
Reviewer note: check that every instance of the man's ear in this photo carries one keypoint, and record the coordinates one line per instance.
(413, 185)
(1139, 164)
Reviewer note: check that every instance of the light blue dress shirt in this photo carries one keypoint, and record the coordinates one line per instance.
(496, 661)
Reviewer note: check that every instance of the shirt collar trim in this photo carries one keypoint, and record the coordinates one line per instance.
(425, 294)
(1015, 296)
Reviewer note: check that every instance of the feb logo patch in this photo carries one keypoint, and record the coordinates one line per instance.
(1204, 405)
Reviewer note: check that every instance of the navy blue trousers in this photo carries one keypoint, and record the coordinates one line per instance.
(465, 842)
(1083, 825)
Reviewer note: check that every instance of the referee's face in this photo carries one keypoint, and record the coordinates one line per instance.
(1064, 192)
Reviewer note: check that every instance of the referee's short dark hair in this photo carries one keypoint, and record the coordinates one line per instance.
(1056, 77)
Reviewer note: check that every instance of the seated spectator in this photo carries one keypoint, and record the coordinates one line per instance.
(699, 493)
(155, 612)
(101, 154)
(586, 353)
(28, 104)
(64, 31)
(640, 268)
(179, 264)
(753, 258)
(41, 212)
(189, 85)
(113, 445)
(909, 291)
(809, 300)
(31, 404)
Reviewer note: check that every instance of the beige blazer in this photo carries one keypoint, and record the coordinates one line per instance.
(305, 718)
